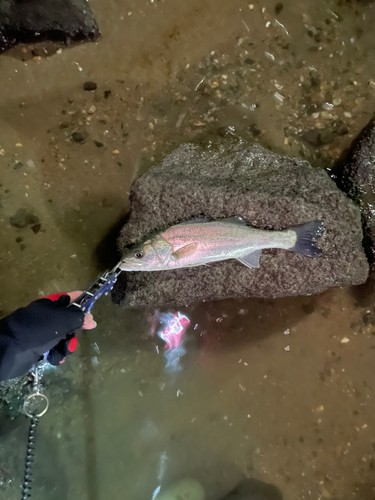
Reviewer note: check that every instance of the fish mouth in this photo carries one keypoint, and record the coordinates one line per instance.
(130, 266)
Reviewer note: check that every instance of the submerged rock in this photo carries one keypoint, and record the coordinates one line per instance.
(252, 489)
(30, 21)
(185, 489)
(268, 190)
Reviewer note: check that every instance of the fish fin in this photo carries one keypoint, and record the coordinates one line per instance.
(196, 220)
(234, 220)
(252, 259)
(184, 251)
(201, 220)
(307, 234)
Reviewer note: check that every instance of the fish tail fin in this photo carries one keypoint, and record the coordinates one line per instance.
(307, 234)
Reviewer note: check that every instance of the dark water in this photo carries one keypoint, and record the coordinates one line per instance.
(280, 391)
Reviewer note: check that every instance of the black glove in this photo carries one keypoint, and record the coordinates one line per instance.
(65, 347)
(28, 333)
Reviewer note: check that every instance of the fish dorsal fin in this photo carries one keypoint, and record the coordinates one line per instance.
(196, 220)
(234, 220)
(251, 260)
(230, 220)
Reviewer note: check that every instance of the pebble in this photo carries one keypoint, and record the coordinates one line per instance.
(270, 56)
(115, 152)
(278, 97)
(287, 348)
(78, 137)
(90, 86)
(344, 340)
(91, 110)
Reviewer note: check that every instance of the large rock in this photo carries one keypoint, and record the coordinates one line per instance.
(271, 191)
(356, 177)
(28, 21)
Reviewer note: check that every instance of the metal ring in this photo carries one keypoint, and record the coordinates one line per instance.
(29, 398)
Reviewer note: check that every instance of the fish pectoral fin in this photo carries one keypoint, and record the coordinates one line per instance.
(184, 251)
(251, 260)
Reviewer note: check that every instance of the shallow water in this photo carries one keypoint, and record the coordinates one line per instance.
(281, 391)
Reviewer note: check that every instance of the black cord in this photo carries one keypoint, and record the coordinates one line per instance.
(30, 453)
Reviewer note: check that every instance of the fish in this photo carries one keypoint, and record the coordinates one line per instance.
(201, 241)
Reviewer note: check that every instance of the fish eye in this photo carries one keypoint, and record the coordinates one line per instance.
(139, 254)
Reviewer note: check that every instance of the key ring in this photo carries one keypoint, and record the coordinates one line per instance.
(36, 398)
(30, 401)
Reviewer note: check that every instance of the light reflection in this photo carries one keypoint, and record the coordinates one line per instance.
(174, 328)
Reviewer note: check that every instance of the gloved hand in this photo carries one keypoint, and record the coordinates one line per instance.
(44, 325)
(68, 345)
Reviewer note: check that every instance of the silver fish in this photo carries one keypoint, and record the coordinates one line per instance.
(200, 241)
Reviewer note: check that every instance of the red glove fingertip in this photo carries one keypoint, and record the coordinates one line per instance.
(72, 344)
(55, 296)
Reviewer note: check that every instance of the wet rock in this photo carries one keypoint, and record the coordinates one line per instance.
(78, 137)
(232, 178)
(23, 218)
(327, 136)
(30, 21)
(36, 228)
(312, 137)
(278, 8)
(90, 86)
(355, 175)
(252, 489)
(249, 61)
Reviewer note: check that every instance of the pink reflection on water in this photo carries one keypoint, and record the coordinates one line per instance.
(174, 328)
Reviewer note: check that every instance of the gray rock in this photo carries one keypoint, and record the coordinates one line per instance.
(270, 191)
(355, 175)
(30, 21)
